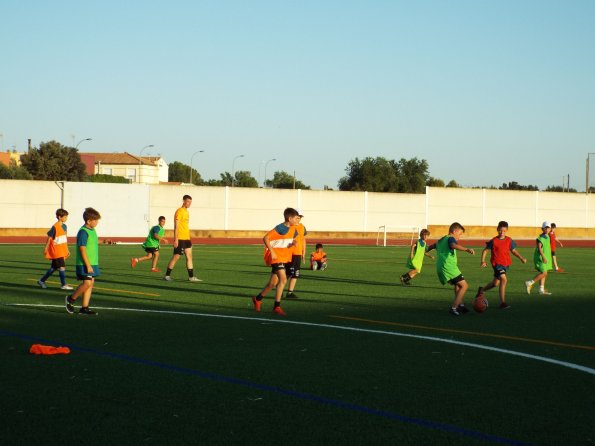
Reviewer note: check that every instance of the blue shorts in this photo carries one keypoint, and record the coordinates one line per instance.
(500, 270)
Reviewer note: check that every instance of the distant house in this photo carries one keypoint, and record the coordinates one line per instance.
(10, 156)
(146, 169)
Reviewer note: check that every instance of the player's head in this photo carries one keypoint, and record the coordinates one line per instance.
(290, 213)
(187, 201)
(61, 213)
(553, 226)
(456, 227)
(91, 216)
(424, 234)
(318, 246)
(546, 227)
(161, 220)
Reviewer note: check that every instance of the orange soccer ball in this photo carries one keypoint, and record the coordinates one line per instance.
(480, 304)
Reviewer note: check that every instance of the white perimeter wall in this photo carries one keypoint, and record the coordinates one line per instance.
(128, 210)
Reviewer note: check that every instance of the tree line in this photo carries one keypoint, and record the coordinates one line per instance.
(56, 162)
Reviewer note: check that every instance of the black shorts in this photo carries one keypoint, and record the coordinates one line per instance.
(457, 279)
(500, 270)
(296, 263)
(151, 250)
(58, 263)
(79, 277)
(182, 245)
(553, 253)
(275, 267)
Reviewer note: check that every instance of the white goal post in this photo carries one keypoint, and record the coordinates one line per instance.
(391, 235)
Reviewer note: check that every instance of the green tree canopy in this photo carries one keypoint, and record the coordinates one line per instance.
(241, 178)
(513, 185)
(180, 173)
(284, 180)
(53, 161)
(14, 172)
(103, 178)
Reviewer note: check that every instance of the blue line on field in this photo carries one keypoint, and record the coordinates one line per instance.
(273, 389)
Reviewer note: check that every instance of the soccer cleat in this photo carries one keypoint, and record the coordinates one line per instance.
(559, 270)
(291, 295)
(69, 306)
(87, 311)
(66, 287)
(504, 306)
(528, 286)
(168, 278)
(256, 303)
(314, 266)
(155, 270)
(545, 293)
(42, 284)
(279, 311)
(323, 267)
(194, 279)
(462, 309)
(479, 292)
(402, 280)
(133, 262)
(454, 312)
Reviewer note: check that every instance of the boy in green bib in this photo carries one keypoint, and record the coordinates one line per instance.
(447, 268)
(542, 258)
(151, 245)
(87, 262)
(416, 257)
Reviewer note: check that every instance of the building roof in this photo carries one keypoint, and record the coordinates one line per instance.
(122, 158)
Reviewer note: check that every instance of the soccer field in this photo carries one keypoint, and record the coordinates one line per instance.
(359, 359)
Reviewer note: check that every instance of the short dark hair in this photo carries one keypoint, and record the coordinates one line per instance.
(553, 225)
(503, 224)
(61, 213)
(161, 217)
(91, 214)
(455, 226)
(424, 232)
(318, 245)
(290, 212)
(186, 197)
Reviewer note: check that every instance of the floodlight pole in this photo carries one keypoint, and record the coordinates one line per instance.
(587, 180)
(191, 159)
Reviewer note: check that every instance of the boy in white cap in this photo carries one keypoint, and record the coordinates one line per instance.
(542, 258)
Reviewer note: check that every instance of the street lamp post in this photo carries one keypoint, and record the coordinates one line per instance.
(233, 171)
(265, 171)
(587, 180)
(82, 140)
(140, 159)
(191, 158)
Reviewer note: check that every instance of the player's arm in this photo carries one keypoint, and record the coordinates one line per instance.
(484, 253)
(157, 237)
(540, 249)
(560, 243)
(461, 248)
(412, 251)
(176, 229)
(518, 255)
(430, 247)
(88, 266)
(267, 243)
(46, 248)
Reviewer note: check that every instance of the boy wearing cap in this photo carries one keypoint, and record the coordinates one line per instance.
(542, 258)
(299, 255)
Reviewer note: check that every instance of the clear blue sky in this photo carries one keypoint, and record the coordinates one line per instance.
(486, 91)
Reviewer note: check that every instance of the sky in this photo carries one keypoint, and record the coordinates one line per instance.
(487, 92)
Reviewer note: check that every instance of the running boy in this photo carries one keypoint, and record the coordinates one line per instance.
(447, 268)
(542, 258)
(56, 250)
(553, 241)
(318, 259)
(416, 257)
(299, 255)
(87, 262)
(279, 243)
(500, 248)
(151, 245)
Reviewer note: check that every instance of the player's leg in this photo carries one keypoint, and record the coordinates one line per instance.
(155, 259)
(460, 288)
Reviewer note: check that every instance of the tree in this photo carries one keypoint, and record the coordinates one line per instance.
(435, 182)
(513, 185)
(453, 183)
(180, 173)
(559, 189)
(412, 175)
(241, 178)
(14, 172)
(53, 161)
(283, 180)
(103, 178)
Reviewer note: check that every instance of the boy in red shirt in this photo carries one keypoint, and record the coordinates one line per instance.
(553, 241)
(279, 243)
(500, 248)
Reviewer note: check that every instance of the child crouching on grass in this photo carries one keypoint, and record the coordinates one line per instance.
(87, 262)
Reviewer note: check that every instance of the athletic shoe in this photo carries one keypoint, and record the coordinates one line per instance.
(42, 284)
(545, 293)
(256, 303)
(560, 270)
(528, 286)
(291, 295)
(133, 262)
(504, 306)
(279, 311)
(479, 292)
(462, 309)
(314, 266)
(66, 287)
(402, 280)
(168, 278)
(194, 279)
(69, 306)
(155, 270)
(323, 267)
(454, 312)
(87, 311)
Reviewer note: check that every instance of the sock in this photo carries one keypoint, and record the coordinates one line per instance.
(191, 272)
(48, 273)
(277, 304)
(62, 277)
(168, 272)
(259, 297)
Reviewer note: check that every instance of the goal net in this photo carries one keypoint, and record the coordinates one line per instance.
(390, 235)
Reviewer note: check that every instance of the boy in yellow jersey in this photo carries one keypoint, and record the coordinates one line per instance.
(416, 257)
(279, 243)
(182, 242)
(299, 255)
